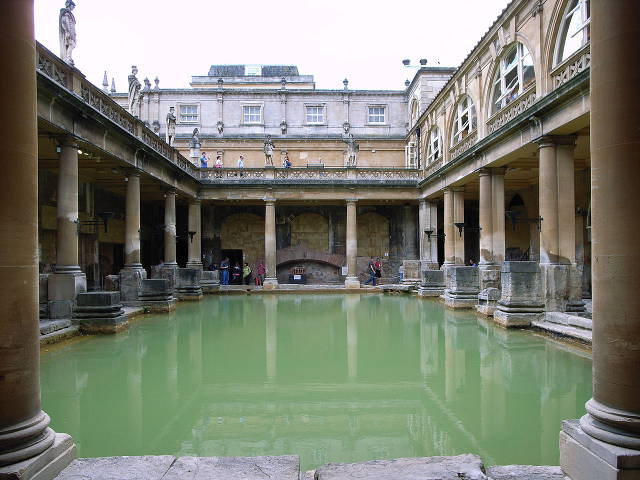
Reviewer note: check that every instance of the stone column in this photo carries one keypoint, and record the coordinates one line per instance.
(352, 246)
(427, 220)
(489, 271)
(497, 215)
(195, 237)
(591, 449)
(132, 274)
(486, 218)
(458, 217)
(449, 229)
(27, 445)
(423, 217)
(433, 243)
(68, 280)
(548, 202)
(409, 234)
(271, 280)
(132, 222)
(170, 228)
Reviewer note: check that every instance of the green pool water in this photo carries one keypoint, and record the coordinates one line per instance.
(332, 378)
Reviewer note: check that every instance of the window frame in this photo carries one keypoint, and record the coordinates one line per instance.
(180, 114)
(384, 115)
(323, 112)
(583, 8)
(431, 140)
(502, 72)
(459, 128)
(260, 106)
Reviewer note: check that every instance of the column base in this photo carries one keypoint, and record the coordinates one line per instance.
(583, 457)
(555, 286)
(45, 466)
(169, 271)
(197, 265)
(489, 276)
(270, 283)
(516, 319)
(130, 280)
(351, 282)
(432, 292)
(63, 288)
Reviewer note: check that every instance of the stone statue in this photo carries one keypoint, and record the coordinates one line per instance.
(220, 126)
(156, 127)
(352, 149)
(195, 138)
(346, 126)
(67, 31)
(171, 125)
(283, 127)
(134, 92)
(147, 85)
(268, 151)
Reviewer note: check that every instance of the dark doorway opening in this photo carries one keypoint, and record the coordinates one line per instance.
(235, 256)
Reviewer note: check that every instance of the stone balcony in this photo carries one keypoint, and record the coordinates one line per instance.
(382, 176)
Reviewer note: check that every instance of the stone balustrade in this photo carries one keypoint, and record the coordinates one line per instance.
(464, 144)
(578, 62)
(512, 110)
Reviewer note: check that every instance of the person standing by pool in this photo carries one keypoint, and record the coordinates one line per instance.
(261, 272)
(224, 268)
(371, 270)
(218, 162)
(246, 274)
(236, 274)
(378, 266)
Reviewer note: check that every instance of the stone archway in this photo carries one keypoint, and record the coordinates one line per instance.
(310, 230)
(244, 231)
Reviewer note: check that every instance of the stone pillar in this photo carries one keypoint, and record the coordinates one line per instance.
(449, 229)
(132, 274)
(27, 445)
(433, 243)
(606, 443)
(548, 202)
(170, 228)
(409, 234)
(68, 280)
(458, 217)
(486, 218)
(352, 246)
(271, 279)
(351, 303)
(423, 216)
(497, 215)
(132, 222)
(195, 237)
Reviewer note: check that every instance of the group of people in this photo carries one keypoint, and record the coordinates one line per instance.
(374, 270)
(237, 275)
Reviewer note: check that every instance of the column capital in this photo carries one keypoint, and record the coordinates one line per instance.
(484, 171)
(551, 140)
(132, 172)
(498, 170)
(351, 200)
(270, 202)
(170, 191)
(68, 141)
(195, 201)
(454, 189)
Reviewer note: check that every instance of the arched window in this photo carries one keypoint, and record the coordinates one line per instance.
(574, 30)
(434, 145)
(514, 75)
(464, 121)
(413, 111)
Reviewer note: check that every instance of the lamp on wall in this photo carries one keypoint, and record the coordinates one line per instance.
(429, 232)
(463, 226)
(104, 218)
(514, 216)
(191, 234)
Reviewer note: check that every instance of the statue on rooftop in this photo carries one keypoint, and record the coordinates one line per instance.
(352, 149)
(195, 139)
(171, 125)
(268, 151)
(67, 31)
(147, 85)
(134, 92)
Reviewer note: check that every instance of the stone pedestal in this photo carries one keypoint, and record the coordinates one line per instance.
(351, 282)
(488, 301)
(583, 457)
(432, 284)
(63, 288)
(574, 296)
(489, 276)
(45, 466)
(210, 281)
(43, 295)
(130, 281)
(521, 300)
(188, 284)
(413, 270)
(270, 283)
(462, 287)
(100, 312)
(156, 295)
(169, 272)
(555, 286)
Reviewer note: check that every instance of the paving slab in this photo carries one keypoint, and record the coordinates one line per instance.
(525, 472)
(50, 326)
(59, 335)
(286, 467)
(468, 467)
(565, 330)
(118, 468)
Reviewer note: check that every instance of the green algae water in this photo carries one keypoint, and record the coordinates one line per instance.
(332, 378)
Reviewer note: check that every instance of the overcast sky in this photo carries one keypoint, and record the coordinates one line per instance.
(362, 40)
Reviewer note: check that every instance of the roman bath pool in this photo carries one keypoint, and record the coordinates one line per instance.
(332, 378)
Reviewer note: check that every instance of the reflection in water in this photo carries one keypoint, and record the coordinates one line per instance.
(331, 378)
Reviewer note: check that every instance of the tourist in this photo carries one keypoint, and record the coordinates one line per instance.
(286, 163)
(203, 160)
(218, 163)
(371, 271)
(246, 274)
(261, 271)
(236, 274)
(213, 267)
(241, 162)
(472, 263)
(224, 268)
(378, 265)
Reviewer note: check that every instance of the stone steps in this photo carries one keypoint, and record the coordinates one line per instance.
(59, 335)
(50, 326)
(577, 333)
(525, 472)
(568, 319)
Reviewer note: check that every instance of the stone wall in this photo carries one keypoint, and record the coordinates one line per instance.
(310, 230)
